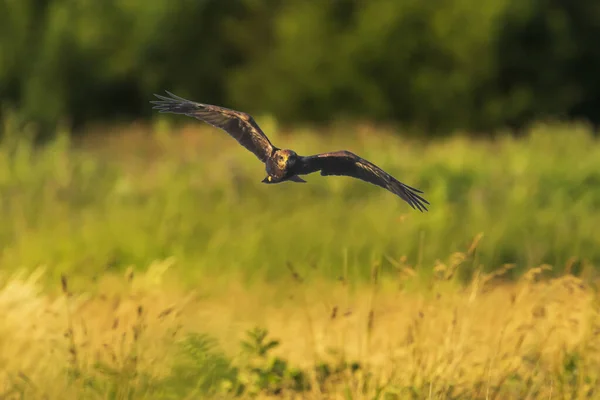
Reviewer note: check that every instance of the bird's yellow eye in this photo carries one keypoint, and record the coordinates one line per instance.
(269, 178)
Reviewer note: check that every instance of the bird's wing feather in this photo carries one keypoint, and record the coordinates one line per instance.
(239, 125)
(349, 164)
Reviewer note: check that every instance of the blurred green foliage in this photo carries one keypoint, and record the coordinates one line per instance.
(433, 65)
(196, 196)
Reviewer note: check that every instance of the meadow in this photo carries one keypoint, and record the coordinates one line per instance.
(150, 262)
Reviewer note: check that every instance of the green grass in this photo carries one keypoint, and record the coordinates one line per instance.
(128, 196)
(172, 252)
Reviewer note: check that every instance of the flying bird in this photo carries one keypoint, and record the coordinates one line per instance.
(284, 164)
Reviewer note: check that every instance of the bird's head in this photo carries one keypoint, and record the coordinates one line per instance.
(285, 158)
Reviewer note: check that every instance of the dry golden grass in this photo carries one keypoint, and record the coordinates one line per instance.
(530, 339)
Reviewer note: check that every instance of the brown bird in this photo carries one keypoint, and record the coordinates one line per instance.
(282, 164)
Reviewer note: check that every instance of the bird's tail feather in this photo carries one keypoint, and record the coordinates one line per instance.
(297, 179)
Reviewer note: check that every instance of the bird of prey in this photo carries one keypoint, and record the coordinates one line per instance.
(283, 164)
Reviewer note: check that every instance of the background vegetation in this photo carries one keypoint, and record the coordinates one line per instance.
(111, 201)
(141, 257)
(435, 66)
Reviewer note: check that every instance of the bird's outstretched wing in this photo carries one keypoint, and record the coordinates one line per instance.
(239, 125)
(349, 164)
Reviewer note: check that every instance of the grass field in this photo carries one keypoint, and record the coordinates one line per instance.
(136, 260)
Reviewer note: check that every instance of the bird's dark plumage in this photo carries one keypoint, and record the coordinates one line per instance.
(349, 164)
(240, 125)
(285, 165)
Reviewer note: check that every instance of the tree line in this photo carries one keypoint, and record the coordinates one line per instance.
(435, 65)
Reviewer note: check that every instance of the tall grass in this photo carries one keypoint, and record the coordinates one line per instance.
(336, 288)
(141, 336)
(128, 196)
